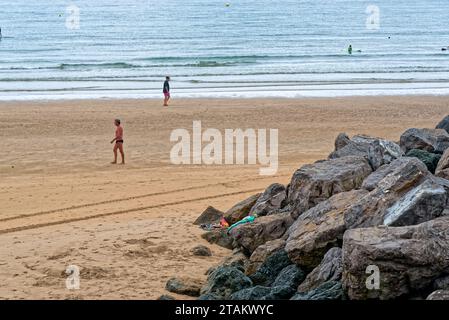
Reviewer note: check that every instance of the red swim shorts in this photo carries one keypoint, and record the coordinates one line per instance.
(167, 94)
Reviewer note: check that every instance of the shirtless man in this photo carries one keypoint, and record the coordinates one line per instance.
(118, 142)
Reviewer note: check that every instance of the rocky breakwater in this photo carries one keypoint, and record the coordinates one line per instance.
(369, 222)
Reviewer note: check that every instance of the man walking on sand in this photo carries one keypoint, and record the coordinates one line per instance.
(118, 142)
(166, 91)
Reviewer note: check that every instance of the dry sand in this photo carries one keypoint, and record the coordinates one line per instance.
(129, 227)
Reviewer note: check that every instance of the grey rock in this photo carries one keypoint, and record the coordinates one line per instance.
(319, 229)
(185, 286)
(224, 281)
(439, 295)
(253, 293)
(166, 297)
(219, 237)
(397, 187)
(209, 216)
(249, 236)
(290, 276)
(377, 151)
(241, 209)
(330, 269)
(202, 251)
(443, 124)
(262, 252)
(270, 269)
(271, 199)
(431, 140)
(331, 290)
(409, 258)
(442, 169)
(442, 283)
(314, 183)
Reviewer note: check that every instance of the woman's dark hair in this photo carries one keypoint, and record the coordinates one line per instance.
(117, 121)
(167, 78)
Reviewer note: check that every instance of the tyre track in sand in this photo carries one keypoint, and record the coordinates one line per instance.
(75, 213)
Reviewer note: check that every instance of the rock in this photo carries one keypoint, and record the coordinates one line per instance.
(396, 167)
(330, 269)
(185, 286)
(319, 229)
(271, 199)
(442, 283)
(443, 124)
(428, 158)
(238, 260)
(317, 182)
(382, 152)
(431, 140)
(254, 293)
(331, 290)
(262, 253)
(397, 187)
(290, 276)
(442, 169)
(251, 235)
(202, 251)
(280, 293)
(219, 237)
(439, 295)
(358, 146)
(166, 297)
(223, 282)
(377, 151)
(241, 209)
(409, 258)
(209, 296)
(270, 269)
(209, 216)
(341, 141)
(425, 202)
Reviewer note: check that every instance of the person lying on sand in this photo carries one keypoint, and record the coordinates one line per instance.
(118, 142)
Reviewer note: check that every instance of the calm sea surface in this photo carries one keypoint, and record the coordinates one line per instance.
(210, 48)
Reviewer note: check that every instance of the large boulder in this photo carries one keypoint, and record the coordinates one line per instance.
(428, 158)
(241, 209)
(270, 200)
(377, 151)
(443, 124)
(439, 295)
(223, 282)
(267, 273)
(431, 140)
(314, 183)
(331, 290)
(185, 286)
(442, 169)
(330, 269)
(408, 258)
(319, 229)
(209, 216)
(251, 235)
(284, 287)
(404, 183)
(219, 237)
(262, 253)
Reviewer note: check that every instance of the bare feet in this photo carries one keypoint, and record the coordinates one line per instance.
(114, 162)
(122, 163)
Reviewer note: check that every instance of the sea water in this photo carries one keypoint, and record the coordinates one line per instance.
(56, 49)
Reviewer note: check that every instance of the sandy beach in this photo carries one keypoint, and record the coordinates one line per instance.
(129, 228)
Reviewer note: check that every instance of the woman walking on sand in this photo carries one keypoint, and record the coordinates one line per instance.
(166, 91)
(118, 142)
